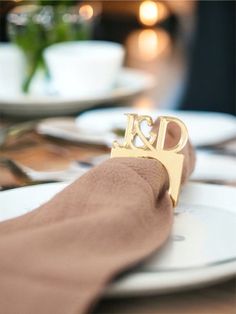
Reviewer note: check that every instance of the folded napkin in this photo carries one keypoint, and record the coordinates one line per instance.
(59, 258)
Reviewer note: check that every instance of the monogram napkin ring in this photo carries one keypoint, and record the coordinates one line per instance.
(152, 146)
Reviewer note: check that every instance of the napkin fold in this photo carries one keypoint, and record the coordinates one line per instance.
(60, 257)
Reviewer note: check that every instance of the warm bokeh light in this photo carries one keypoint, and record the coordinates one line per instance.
(148, 12)
(148, 44)
(151, 12)
(86, 11)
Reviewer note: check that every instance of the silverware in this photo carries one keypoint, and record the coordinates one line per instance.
(28, 175)
(16, 130)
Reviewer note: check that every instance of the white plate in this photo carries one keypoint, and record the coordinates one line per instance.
(130, 83)
(214, 167)
(205, 128)
(200, 251)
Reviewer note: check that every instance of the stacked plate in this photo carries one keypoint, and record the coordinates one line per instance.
(129, 84)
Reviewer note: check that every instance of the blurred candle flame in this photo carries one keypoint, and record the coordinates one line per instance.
(86, 11)
(148, 13)
(151, 12)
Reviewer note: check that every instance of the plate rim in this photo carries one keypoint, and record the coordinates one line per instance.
(228, 134)
(159, 284)
(56, 104)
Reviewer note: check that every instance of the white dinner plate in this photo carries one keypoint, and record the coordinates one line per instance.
(201, 249)
(129, 84)
(205, 128)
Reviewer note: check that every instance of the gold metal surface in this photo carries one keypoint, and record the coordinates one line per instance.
(153, 147)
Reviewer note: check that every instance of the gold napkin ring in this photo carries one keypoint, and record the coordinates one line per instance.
(153, 147)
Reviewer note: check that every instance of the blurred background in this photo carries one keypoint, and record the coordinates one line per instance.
(189, 46)
(56, 124)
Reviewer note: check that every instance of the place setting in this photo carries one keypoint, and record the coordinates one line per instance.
(117, 162)
(201, 206)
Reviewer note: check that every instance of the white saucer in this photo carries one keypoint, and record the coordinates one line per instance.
(205, 128)
(200, 251)
(130, 83)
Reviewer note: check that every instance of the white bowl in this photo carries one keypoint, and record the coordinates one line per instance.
(12, 69)
(84, 67)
